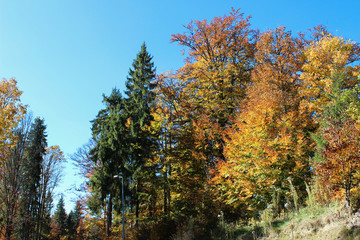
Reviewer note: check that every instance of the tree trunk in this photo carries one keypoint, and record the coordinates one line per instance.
(9, 228)
(109, 216)
(137, 204)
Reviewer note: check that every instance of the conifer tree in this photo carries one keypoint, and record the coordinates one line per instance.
(109, 154)
(31, 180)
(138, 107)
(60, 216)
(73, 221)
(123, 140)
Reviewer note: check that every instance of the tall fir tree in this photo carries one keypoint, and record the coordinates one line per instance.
(31, 179)
(73, 221)
(109, 154)
(123, 140)
(60, 217)
(140, 84)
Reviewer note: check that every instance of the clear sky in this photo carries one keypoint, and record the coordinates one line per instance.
(66, 53)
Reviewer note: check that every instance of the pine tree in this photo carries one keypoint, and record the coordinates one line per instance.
(124, 141)
(109, 154)
(138, 107)
(31, 180)
(60, 216)
(73, 221)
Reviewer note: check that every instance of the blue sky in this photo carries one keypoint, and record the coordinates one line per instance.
(66, 54)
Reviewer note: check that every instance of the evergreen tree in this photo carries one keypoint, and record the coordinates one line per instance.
(32, 167)
(123, 141)
(109, 154)
(138, 107)
(73, 221)
(60, 217)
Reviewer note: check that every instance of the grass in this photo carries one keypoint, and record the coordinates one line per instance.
(315, 222)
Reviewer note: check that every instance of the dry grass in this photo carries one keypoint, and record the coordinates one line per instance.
(329, 223)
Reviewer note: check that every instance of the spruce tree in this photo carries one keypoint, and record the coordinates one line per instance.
(73, 221)
(60, 216)
(31, 180)
(138, 107)
(123, 140)
(110, 153)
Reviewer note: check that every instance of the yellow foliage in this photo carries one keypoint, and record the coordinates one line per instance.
(268, 144)
(11, 111)
(329, 55)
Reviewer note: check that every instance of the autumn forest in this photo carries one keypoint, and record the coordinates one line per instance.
(253, 122)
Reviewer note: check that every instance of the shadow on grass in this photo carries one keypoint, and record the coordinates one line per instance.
(277, 224)
(350, 234)
(237, 232)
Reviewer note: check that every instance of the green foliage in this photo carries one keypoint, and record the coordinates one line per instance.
(35, 155)
(234, 130)
(124, 141)
(60, 216)
(30, 221)
(138, 104)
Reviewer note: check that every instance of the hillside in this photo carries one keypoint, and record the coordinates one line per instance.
(315, 223)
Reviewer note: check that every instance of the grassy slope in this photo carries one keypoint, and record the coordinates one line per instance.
(329, 223)
(332, 222)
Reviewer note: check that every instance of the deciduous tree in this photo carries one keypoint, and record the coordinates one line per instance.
(269, 143)
(11, 179)
(11, 111)
(325, 57)
(215, 76)
(338, 149)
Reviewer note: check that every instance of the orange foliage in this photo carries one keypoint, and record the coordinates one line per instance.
(339, 164)
(268, 144)
(215, 76)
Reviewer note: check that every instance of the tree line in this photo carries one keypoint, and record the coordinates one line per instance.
(29, 172)
(252, 121)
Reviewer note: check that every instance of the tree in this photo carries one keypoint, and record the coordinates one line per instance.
(11, 111)
(139, 86)
(60, 217)
(109, 154)
(10, 180)
(82, 159)
(41, 171)
(215, 76)
(168, 123)
(325, 57)
(31, 179)
(74, 222)
(195, 106)
(51, 174)
(269, 143)
(27, 181)
(337, 162)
